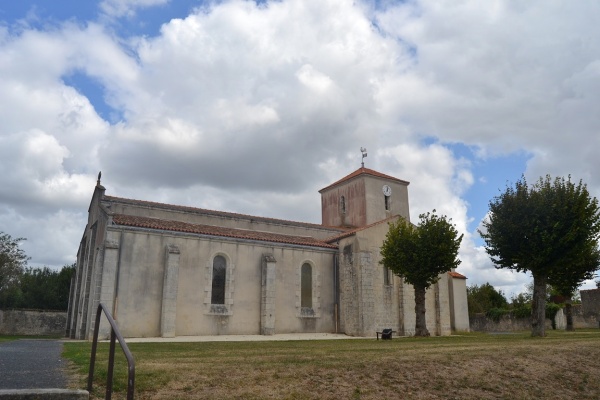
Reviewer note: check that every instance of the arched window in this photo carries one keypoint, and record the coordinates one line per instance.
(218, 280)
(306, 286)
(343, 205)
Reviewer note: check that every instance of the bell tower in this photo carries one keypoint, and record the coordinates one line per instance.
(363, 197)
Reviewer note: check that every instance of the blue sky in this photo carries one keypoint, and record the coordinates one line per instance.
(41, 14)
(491, 178)
(252, 108)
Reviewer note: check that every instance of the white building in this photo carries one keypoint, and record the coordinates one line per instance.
(167, 270)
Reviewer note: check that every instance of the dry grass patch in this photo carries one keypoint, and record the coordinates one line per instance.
(562, 365)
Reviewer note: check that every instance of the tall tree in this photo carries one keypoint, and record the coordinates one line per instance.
(12, 263)
(549, 229)
(419, 254)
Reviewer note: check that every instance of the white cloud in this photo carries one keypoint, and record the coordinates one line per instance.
(252, 86)
(495, 73)
(50, 237)
(127, 8)
(438, 180)
(313, 79)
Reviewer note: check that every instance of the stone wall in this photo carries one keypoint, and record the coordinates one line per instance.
(590, 301)
(28, 322)
(508, 323)
(581, 319)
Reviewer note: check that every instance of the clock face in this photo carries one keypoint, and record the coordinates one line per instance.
(387, 191)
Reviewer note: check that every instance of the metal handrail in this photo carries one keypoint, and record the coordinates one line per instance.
(114, 334)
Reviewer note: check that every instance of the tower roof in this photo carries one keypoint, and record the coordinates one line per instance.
(364, 171)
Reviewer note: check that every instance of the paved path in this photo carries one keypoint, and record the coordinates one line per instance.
(32, 364)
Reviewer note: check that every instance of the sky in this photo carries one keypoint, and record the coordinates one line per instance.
(252, 107)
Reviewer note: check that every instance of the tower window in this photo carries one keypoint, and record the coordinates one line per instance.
(343, 205)
(387, 202)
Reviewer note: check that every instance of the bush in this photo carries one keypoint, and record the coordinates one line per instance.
(482, 299)
(495, 314)
(522, 311)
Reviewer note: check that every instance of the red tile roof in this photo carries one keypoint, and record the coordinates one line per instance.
(176, 226)
(364, 171)
(456, 275)
(218, 213)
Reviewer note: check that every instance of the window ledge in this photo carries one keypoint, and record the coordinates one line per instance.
(308, 312)
(218, 309)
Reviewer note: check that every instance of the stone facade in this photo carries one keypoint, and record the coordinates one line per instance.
(166, 270)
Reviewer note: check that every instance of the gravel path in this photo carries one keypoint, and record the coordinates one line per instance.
(32, 364)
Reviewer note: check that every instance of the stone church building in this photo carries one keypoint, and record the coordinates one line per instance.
(166, 270)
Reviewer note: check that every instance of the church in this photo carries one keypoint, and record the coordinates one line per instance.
(166, 270)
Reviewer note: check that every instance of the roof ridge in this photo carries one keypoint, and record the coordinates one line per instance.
(364, 171)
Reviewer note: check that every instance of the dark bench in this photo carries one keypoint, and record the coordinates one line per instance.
(386, 334)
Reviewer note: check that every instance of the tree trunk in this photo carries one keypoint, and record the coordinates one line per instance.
(569, 314)
(420, 322)
(538, 306)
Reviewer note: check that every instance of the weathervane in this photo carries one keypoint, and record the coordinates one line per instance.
(364, 155)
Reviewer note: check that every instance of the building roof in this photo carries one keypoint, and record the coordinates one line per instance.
(225, 214)
(456, 275)
(177, 226)
(364, 171)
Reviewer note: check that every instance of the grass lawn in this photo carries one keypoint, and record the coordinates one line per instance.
(564, 365)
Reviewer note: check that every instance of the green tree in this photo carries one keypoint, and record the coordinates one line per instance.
(485, 297)
(548, 228)
(12, 263)
(419, 254)
(46, 289)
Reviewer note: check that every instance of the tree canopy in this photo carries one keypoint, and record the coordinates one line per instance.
(40, 289)
(419, 254)
(482, 298)
(12, 263)
(551, 229)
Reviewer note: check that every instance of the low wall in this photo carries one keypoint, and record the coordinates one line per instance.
(590, 301)
(29, 322)
(508, 323)
(581, 318)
